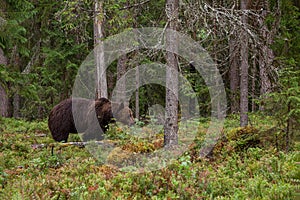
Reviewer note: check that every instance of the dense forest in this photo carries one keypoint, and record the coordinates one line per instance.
(233, 70)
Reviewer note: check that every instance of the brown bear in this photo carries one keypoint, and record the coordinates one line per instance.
(79, 115)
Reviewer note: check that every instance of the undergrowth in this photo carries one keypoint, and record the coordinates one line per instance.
(245, 164)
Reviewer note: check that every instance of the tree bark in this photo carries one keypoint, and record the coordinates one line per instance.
(287, 134)
(16, 106)
(137, 99)
(234, 73)
(265, 59)
(121, 70)
(253, 85)
(101, 82)
(244, 68)
(14, 99)
(171, 122)
(4, 103)
(137, 72)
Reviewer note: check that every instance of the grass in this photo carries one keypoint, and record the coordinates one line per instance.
(58, 171)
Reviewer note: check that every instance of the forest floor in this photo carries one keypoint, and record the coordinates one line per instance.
(247, 163)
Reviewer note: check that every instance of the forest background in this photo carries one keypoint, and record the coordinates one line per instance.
(44, 43)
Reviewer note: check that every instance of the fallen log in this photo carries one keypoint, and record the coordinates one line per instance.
(108, 143)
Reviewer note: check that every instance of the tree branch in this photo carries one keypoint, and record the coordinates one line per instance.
(134, 5)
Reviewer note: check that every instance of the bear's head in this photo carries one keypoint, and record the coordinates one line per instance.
(123, 114)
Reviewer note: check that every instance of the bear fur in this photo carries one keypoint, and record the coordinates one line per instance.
(79, 115)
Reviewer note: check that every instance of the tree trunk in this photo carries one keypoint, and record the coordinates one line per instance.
(253, 85)
(137, 99)
(287, 134)
(171, 122)
(101, 82)
(3, 95)
(137, 72)
(244, 68)
(16, 106)
(121, 70)
(265, 60)
(215, 49)
(14, 99)
(3, 102)
(234, 73)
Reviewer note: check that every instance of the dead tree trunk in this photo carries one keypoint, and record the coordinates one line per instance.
(171, 122)
(244, 68)
(101, 82)
(234, 73)
(265, 59)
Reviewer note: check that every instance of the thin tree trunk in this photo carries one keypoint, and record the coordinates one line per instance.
(3, 102)
(16, 106)
(253, 85)
(137, 72)
(121, 70)
(101, 85)
(137, 99)
(171, 123)
(287, 134)
(234, 73)
(244, 69)
(215, 49)
(15, 98)
(3, 95)
(265, 59)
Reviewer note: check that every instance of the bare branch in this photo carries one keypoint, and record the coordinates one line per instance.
(134, 5)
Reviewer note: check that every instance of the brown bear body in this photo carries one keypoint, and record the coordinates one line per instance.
(80, 115)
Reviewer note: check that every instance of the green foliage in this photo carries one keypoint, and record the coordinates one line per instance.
(153, 14)
(57, 36)
(10, 125)
(117, 18)
(14, 40)
(43, 163)
(199, 89)
(13, 31)
(287, 101)
(284, 104)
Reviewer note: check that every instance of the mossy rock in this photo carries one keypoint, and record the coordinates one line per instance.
(237, 140)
